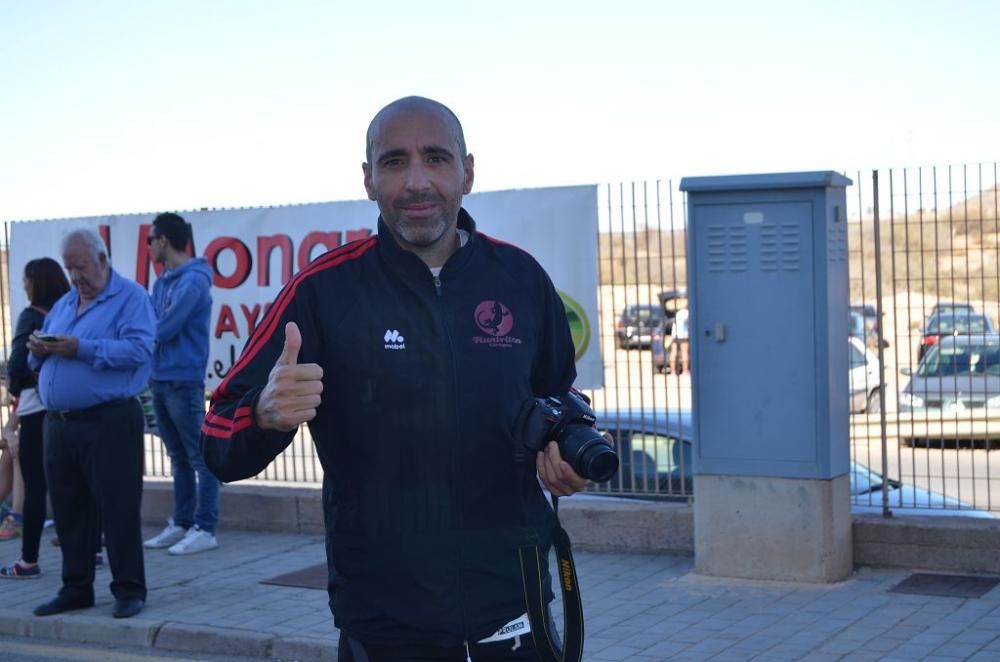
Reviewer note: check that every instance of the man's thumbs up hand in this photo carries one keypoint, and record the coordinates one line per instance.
(293, 391)
(293, 343)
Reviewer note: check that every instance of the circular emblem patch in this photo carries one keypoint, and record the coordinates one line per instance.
(493, 318)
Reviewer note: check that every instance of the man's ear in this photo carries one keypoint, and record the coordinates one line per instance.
(470, 174)
(369, 187)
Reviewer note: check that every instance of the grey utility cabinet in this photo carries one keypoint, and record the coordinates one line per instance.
(767, 278)
(768, 292)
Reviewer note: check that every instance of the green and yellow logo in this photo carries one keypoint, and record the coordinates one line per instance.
(579, 326)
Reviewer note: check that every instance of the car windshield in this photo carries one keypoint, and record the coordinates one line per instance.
(961, 360)
(645, 312)
(951, 308)
(857, 324)
(962, 324)
(867, 310)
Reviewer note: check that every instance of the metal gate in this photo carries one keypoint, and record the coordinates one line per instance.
(918, 238)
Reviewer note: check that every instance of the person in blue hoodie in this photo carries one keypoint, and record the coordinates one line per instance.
(183, 304)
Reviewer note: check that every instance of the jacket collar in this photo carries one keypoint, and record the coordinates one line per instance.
(403, 259)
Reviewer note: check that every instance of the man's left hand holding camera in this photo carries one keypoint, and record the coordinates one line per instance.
(557, 475)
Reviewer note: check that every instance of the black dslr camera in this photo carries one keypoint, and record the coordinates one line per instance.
(569, 420)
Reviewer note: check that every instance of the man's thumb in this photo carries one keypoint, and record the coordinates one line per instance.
(293, 343)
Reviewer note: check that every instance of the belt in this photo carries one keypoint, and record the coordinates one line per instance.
(88, 413)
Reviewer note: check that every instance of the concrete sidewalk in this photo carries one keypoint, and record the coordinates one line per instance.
(638, 607)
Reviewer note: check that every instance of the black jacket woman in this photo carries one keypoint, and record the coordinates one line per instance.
(44, 284)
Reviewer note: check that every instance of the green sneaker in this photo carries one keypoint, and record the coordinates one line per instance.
(10, 528)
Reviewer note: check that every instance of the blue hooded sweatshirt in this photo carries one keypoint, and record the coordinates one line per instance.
(183, 304)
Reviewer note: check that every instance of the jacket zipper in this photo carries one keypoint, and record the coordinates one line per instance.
(454, 385)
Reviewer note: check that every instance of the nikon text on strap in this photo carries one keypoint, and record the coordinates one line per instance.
(534, 596)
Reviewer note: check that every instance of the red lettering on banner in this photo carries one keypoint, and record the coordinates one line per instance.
(244, 262)
(226, 322)
(251, 315)
(329, 239)
(264, 247)
(105, 232)
(144, 259)
(229, 322)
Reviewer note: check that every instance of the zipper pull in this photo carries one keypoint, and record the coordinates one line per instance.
(437, 285)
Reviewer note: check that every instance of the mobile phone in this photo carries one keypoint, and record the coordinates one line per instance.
(48, 338)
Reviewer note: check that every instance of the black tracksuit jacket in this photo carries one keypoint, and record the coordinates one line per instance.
(425, 505)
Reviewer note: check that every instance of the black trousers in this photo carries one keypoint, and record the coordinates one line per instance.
(32, 459)
(508, 650)
(93, 464)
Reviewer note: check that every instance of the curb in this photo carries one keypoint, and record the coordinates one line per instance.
(166, 636)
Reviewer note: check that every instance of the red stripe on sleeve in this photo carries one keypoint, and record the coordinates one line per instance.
(270, 322)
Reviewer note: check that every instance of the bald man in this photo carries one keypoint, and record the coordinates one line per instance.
(409, 354)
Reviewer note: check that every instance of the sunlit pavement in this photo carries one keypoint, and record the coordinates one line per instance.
(638, 607)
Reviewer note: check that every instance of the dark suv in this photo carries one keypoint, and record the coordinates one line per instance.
(636, 324)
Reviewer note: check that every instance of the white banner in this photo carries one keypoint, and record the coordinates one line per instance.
(254, 252)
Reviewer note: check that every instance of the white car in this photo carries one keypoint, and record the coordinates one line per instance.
(863, 378)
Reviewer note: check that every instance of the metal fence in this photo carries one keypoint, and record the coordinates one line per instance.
(917, 237)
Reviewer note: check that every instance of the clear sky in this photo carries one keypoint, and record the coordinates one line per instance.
(117, 106)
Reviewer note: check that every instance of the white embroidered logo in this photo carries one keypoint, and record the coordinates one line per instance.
(393, 340)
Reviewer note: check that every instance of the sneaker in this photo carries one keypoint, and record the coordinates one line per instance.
(17, 571)
(10, 528)
(170, 535)
(195, 541)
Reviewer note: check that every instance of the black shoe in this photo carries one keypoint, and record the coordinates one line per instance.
(60, 603)
(127, 607)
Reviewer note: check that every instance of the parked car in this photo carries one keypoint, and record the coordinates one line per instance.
(657, 458)
(958, 373)
(671, 301)
(654, 448)
(636, 323)
(952, 308)
(863, 377)
(866, 497)
(866, 327)
(952, 324)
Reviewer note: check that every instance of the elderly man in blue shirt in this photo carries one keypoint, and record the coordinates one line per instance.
(93, 355)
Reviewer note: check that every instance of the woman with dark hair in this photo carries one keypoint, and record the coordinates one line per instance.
(44, 284)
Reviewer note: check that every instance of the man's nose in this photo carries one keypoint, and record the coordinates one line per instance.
(416, 178)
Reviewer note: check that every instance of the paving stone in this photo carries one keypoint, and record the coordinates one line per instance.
(638, 606)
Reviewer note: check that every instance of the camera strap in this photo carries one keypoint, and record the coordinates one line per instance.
(534, 596)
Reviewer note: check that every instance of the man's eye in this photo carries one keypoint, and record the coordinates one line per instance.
(392, 163)
(437, 160)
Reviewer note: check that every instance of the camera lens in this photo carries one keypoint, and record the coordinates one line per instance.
(588, 453)
(601, 461)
